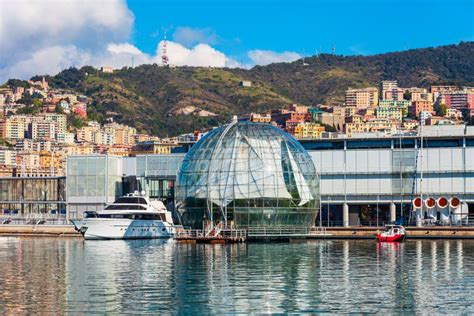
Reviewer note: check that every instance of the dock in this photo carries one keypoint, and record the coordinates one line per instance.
(39, 230)
(429, 232)
(199, 236)
(259, 234)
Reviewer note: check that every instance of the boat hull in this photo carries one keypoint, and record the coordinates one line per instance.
(394, 238)
(103, 229)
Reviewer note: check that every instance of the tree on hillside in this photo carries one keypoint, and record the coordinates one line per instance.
(442, 109)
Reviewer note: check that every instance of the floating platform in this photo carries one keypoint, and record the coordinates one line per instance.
(224, 236)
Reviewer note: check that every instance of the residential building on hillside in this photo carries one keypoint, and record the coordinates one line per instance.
(307, 130)
(41, 129)
(390, 112)
(65, 137)
(386, 126)
(255, 117)
(362, 98)
(153, 147)
(123, 135)
(12, 128)
(60, 121)
(420, 94)
(7, 156)
(421, 105)
(459, 100)
(410, 124)
(33, 145)
(443, 89)
(454, 114)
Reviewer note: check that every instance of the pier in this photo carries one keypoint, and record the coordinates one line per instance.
(254, 234)
(223, 236)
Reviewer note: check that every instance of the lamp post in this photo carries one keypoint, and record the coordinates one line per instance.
(377, 207)
(329, 199)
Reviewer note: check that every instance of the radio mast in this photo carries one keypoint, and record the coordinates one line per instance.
(164, 55)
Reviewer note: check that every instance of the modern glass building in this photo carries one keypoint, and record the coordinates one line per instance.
(96, 180)
(92, 182)
(32, 198)
(250, 175)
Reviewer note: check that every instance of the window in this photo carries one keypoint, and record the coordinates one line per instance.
(131, 200)
(125, 207)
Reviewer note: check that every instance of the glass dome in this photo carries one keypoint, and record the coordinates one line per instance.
(248, 175)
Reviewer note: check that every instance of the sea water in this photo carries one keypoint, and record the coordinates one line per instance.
(69, 275)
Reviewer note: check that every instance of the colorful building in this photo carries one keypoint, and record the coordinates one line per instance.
(307, 130)
(419, 106)
(362, 98)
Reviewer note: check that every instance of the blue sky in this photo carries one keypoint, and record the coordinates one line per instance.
(44, 37)
(354, 27)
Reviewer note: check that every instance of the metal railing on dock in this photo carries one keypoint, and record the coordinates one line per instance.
(230, 235)
(40, 219)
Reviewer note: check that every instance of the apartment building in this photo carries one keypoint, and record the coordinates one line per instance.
(459, 100)
(307, 130)
(362, 98)
(389, 112)
(41, 129)
(12, 128)
(7, 157)
(419, 106)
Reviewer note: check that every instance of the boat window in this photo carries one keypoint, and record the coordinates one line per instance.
(120, 216)
(131, 200)
(125, 207)
(90, 214)
(148, 217)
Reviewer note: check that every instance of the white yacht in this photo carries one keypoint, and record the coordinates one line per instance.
(132, 216)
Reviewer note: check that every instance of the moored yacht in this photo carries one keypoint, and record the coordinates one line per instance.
(132, 216)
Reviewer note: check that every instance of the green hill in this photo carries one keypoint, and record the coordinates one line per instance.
(169, 101)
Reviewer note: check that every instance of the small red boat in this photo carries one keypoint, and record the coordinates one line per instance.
(392, 233)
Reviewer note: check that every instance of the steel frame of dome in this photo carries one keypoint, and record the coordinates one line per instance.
(248, 175)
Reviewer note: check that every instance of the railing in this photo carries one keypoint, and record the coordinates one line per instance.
(277, 231)
(35, 219)
(318, 231)
(199, 233)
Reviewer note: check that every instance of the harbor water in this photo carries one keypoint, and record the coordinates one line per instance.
(69, 275)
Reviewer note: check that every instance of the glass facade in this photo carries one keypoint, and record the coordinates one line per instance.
(92, 182)
(32, 197)
(250, 174)
(157, 175)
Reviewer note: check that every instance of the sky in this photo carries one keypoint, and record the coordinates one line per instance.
(46, 36)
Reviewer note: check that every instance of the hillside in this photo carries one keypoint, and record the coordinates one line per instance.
(169, 101)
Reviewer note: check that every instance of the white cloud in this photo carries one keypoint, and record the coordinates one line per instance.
(123, 48)
(48, 60)
(265, 57)
(199, 55)
(45, 37)
(58, 33)
(188, 36)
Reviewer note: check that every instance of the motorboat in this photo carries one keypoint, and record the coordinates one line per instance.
(392, 233)
(133, 216)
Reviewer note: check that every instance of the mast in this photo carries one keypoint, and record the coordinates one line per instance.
(420, 211)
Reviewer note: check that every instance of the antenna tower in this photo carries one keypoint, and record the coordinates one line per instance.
(164, 55)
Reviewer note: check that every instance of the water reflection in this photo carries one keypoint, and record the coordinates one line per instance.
(57, 276)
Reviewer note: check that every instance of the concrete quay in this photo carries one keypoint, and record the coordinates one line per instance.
(39, 230)
(432, 232)
(436, 232)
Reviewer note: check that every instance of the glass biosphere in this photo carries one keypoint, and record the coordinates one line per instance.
(248, 175)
